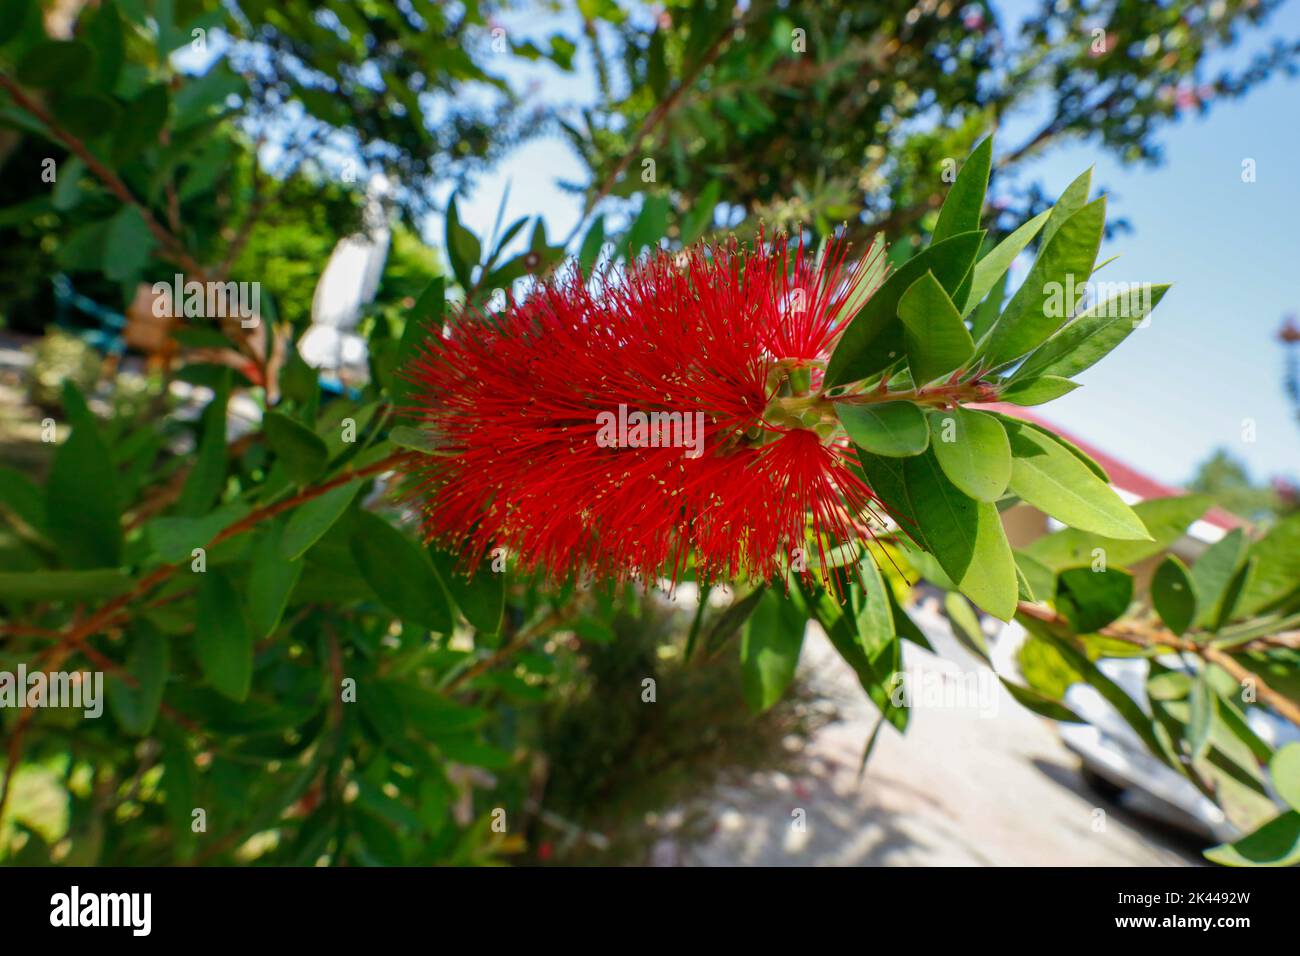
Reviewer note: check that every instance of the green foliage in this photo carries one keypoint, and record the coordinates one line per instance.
(895, 429)
(769, 650)
(1226, 480)
(283, 652)
(870, 151)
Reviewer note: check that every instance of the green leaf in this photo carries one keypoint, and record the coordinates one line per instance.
(649, 226)
(206, 480)
(873, 339)
(1276, 843)
(174, 539)
(300, 450)
(62, 585)
(1113, 694)
(1276, 572)
(965, 625)
(1229, 609)
(1213, 571)
(769, 649)
(13, 18)
(415, 439)
(313, 518)
(271, 579)
(873, 615)
(88, 115)
(1038, 391)
(20, 495)
(56, 63)
(699, 217)
(904, 626)
(1088, 338)
(935, 338)
(1040, 578)
(481, 598)
(400, 573)
(973, 451)
(136, 707)
(1090, 599)
(896, 429)
(1040, 704)
(961, 209)
(986, 313)
(1169, 685)
(1284, 768)
(992, 269)
(105, 31)
(67, 192)
(1038, 308)
(591, 243)
(463, 249)
(298, 380)
(200, 93)
(223, 644)
(841, 631)
(1174, 594)
(864, 279)
(965, 536)
(421, 333)
(128, 245)
(731, 620)
(1045, 474)
(1166, 519)
(1068, 445)
(81, 502)
(1201, 721)
(1072, 200)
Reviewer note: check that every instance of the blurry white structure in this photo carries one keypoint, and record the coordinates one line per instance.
(347, 285)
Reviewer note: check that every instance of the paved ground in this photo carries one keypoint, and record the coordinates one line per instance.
(984, 784)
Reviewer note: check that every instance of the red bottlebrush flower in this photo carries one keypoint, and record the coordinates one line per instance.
(550, 445)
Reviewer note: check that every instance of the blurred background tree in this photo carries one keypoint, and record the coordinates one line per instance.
(1227, 481)
(719, 99)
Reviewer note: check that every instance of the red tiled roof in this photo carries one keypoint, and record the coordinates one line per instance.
(1121, 475)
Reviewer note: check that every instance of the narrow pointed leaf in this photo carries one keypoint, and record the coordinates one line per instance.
(300, 450)
(271, 579)
(961, 209)
(1284, 768)
(223, 644)
(1276, 843)
(400, 573)
(312, 519)
(1174, 594)
(992, 269)
(1045, 474)
(873, 339)
(1071, 201)
(135, 702)
(936, 339)
(1038, 391)
(481, 598)
(81, 502)
(1213, 571)
(1040, 306)
(769, 650)
(1096, 331)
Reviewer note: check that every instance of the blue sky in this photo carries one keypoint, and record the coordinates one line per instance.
(1208, 361)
